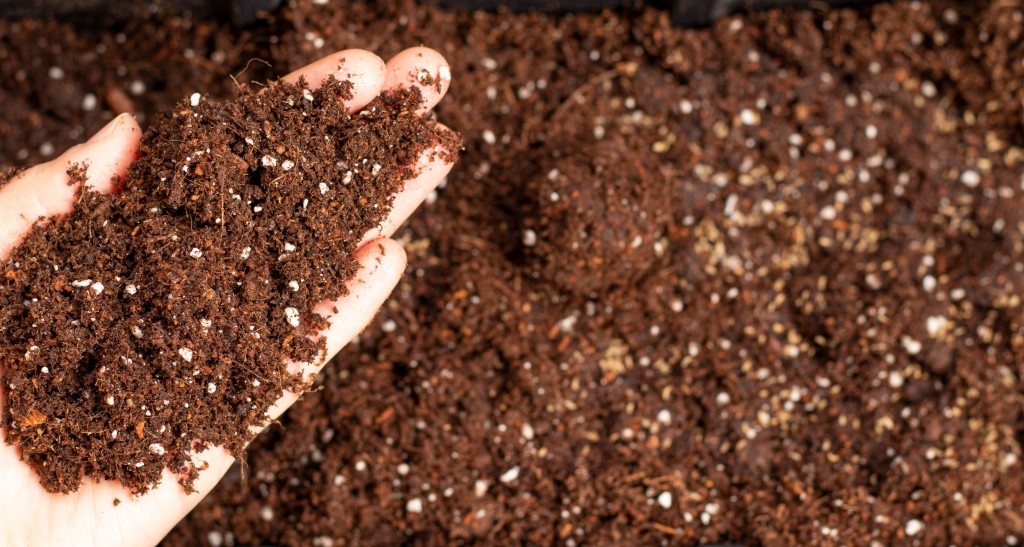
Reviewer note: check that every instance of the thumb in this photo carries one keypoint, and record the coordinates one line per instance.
(43, 190)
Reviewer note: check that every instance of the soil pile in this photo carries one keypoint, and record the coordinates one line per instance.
(819, 344)
(153, 323)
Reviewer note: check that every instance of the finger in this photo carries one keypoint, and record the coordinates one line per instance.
(43, 190)
(432, 170)
(364, 69)
(382, 262)
(421, 67)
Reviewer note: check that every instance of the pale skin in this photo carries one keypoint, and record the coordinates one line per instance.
(29, 515)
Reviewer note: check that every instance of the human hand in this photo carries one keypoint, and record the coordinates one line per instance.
(29, 515)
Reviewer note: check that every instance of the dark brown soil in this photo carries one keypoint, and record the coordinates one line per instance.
(817, 340)
(153, 323)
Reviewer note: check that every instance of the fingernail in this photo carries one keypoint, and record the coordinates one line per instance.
(109, 129)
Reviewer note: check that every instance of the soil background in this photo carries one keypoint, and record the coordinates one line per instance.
(756, 283)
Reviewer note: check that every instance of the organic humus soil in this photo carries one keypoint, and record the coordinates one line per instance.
(758, 283)
(152, 323)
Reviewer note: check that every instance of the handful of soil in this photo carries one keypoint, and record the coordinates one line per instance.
(151, 324)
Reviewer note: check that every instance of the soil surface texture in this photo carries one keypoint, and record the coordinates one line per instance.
(758, 283)
(153, 323)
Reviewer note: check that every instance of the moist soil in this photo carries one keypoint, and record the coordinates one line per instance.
(151, 324)
(757, 283)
